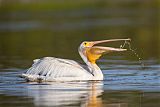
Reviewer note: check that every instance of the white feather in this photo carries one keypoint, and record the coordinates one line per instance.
(53, 69)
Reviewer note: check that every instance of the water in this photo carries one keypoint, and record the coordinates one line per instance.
(134, 52)
(35, 29)
(125, 85)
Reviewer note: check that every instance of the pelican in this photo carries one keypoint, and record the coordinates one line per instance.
(57, 69)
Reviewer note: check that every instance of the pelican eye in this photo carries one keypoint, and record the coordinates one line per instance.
(85, 44)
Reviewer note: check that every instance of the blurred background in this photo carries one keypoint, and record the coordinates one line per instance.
(32, 29)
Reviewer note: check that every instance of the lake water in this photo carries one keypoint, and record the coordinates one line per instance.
(34, 29)
(126, 84)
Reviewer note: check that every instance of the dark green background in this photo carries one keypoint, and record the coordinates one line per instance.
(33, 29)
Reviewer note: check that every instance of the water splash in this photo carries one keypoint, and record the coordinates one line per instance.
(134, 51)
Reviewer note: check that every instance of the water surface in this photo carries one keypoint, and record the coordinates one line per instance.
(126, 84)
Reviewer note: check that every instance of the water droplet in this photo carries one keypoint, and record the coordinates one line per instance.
(132, 50)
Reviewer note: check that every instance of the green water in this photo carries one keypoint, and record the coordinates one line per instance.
(34, 29)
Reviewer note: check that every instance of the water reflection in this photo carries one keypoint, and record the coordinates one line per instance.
(83, 94)
(71, 93)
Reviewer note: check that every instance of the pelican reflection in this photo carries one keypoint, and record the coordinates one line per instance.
(84, 94)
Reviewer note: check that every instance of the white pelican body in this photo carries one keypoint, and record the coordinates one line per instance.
(56, 69)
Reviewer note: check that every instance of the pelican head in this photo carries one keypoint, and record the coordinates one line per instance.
(90, 53)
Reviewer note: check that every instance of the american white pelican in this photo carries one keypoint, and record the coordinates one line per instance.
(56, 69)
